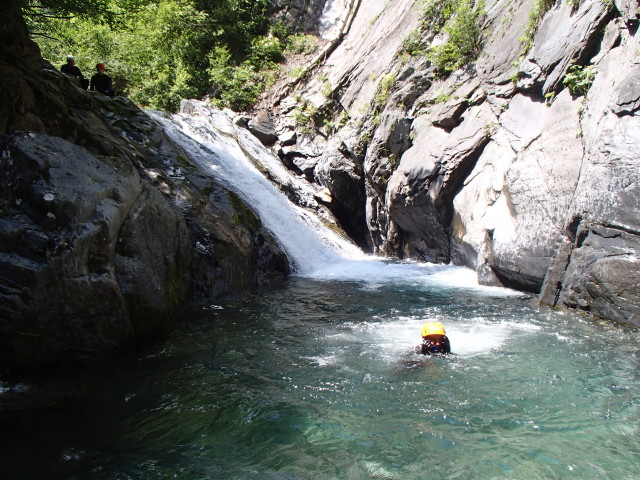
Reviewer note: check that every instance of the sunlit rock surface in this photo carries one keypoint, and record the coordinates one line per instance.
(498, 166)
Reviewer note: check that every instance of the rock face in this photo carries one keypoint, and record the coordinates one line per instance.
(107, 230)
(498, 166)
(80, 247)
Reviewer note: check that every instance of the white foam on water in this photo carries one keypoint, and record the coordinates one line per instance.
(391, 340)
(210, 138)
(308, 243)
(378, 272)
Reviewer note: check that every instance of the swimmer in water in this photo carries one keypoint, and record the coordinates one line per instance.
(434, 340)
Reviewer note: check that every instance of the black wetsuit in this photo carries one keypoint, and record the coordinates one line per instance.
(103, 84)
(428, 348)
(74, 71)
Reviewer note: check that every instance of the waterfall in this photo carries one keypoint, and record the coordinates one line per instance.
(218, 146)
(230, 154)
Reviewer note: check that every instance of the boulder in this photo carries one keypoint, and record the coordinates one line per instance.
(107, 229)
(262, 128)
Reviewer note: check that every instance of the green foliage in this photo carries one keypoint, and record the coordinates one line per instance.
(442, 97)
(386, 84)
(304, 115)
(302, 44)
(297, 72)
(464, 42)
(579, 79)
(236, 86)
(326, 89)
(540, 7)
(99, 10)
(339, 120)
(159, 51)
(384, 90)
(279, 29)
(437, 13)
(413, 44)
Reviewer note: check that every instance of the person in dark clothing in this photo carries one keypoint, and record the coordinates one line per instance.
(72, 70)
(101, 82)
(434, 340)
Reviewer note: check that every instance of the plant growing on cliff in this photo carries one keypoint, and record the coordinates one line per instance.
(326, 89)
(464, 38)
(578, 79)
(384, 89)
(332, 126)
(413, 45)
(437, 13)
(304, 115)
(302, 44)
(540, 7)
(381, 96)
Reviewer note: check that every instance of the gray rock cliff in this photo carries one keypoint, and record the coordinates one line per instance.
(499, 165)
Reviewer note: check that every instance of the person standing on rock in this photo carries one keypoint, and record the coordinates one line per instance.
(72, 70)
(101, 82)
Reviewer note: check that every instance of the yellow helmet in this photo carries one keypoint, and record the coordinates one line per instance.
(432, 328)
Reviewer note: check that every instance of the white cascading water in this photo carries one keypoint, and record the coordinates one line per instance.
(211, 142)
(217, 145)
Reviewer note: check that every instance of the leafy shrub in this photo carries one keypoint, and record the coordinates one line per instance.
(464, 41)
(413, 44)
(266, 50)
(540, 7)
(236, 86)
(304, 115)
(384, 89)
(579, 79)
(302, 44)
(437, 13)
(159, 51)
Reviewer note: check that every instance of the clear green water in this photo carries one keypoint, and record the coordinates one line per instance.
(316, 380)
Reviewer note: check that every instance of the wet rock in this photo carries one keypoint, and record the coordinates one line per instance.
(494, 176)
(341, 173)
(63, 301)
(603, 276)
